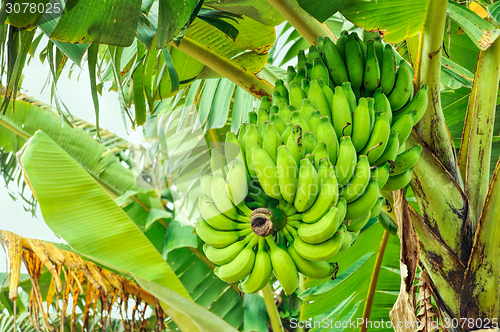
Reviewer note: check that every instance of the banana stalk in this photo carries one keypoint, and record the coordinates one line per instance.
(480, 294)
(475, 151)
(309, 27)
(440, 196)
(432, 127)
(244, 79)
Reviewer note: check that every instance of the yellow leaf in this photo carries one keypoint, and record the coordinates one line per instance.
(478, 9)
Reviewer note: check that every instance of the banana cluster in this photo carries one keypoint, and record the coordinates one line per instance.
(304, 175)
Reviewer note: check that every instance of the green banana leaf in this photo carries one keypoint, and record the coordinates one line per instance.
(397, 20)
(205, 320)
(343, 299)
(65, 190)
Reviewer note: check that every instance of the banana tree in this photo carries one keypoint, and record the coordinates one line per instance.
(458, 223)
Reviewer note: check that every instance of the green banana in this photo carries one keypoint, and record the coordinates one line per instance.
(271, 140)
(341, 113)
(301, 74)
(262, 116)
(327, 197)
(327, 91)
(346, 162)
(320, 152)
(398, 181)
(391, 150)
(301, 60)
(318, 99)
(406, 160)
(222, 199)
(371, 110)
(296, 94)
(242, 132)
(272, 110)
(287, 132)
(278, 123)
(381, 173)
(287, 173)
(221, 256)
(309, 142)
(278, 86)
(354, 188)
(306, 109)
(354, 63)
(319, 71)
(377, 208)
(316, 252)
(294, 144)
(379, 50)
(265, 102)
(364, 203)
(307, 187)
(372, 69)
(357, 224)
(233, 148)
(218, 162)
(265, 169)
(402, 88)
(326, 133)
(297, 119)
(361, 125)
(324, 169)
(347, 239)
(335, 62)
(284, 113)
(382, 104)
(418, 103)
(262, 128)
(252, 117)
(252, 136)
(341, 43)
(216, 238)
(350, 95)
(321, 230)
(313, 54)
(309, 67)
(215, 219)
(378, 138)
(304, 85)
(283, 266)
(240, 266)
(290, 75)
(310, 269)
(313, 122)
(261, 272)
(362, 45)
(206, 184)
(278, 98)
(388, 70)
(237, 185)
(404, 125)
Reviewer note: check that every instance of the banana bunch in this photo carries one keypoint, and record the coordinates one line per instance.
(302, 178)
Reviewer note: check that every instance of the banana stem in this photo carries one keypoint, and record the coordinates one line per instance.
(475, 151)
(272, 310)
(244, 79)
(373, 281)
(309, 27)
(432, 127)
